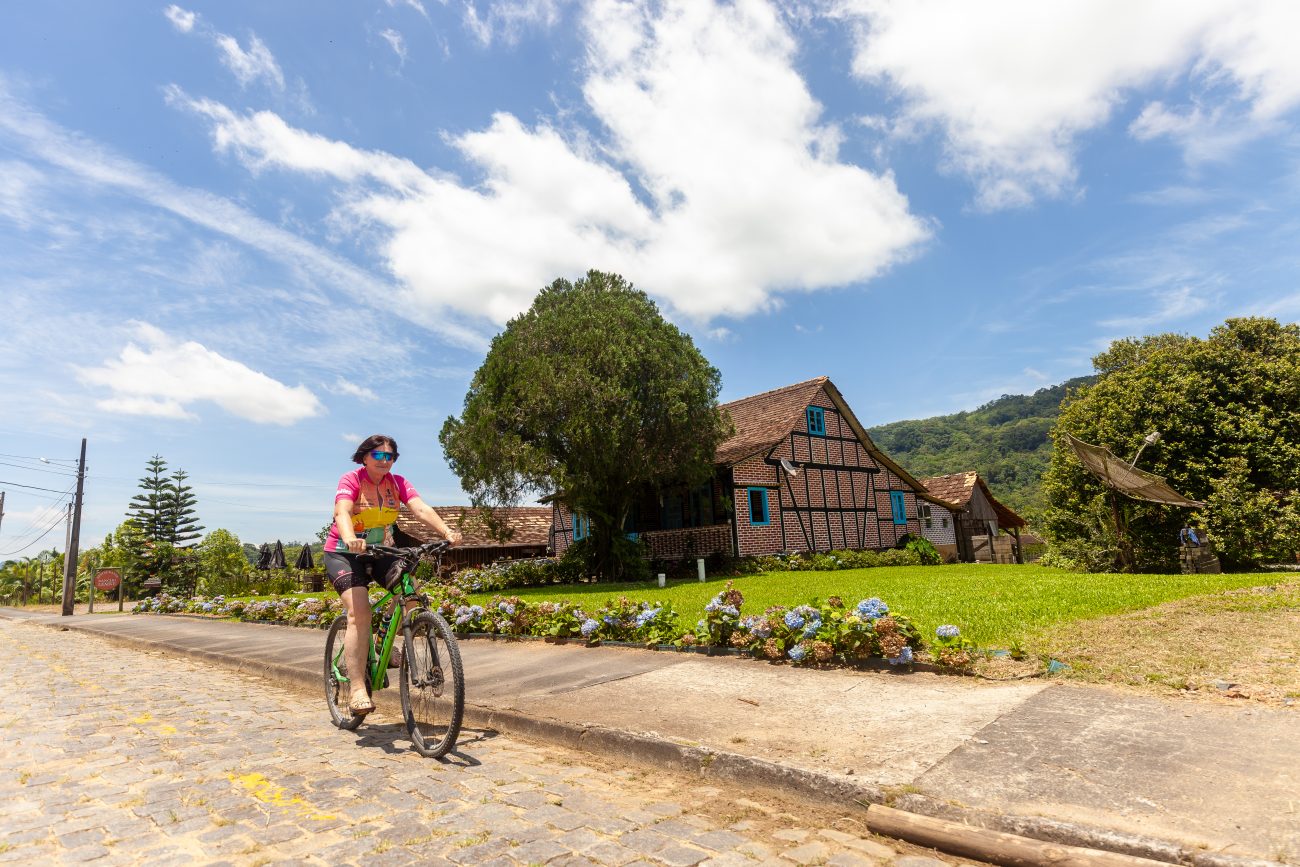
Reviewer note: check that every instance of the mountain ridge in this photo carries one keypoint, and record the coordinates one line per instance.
(1006, 441)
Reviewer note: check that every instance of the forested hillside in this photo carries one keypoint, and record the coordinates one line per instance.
(1005, 441)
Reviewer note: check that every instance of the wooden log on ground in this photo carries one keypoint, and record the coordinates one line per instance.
(994, 847)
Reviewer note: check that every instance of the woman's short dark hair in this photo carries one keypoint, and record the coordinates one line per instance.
(371, 443)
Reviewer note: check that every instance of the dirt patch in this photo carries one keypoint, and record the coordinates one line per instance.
(1230, 646)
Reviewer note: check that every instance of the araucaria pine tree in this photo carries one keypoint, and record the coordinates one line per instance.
(149, 507)
(164, 509)
(180, 527)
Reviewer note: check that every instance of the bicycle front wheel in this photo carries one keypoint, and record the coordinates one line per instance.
(433, 685)
(336, 673)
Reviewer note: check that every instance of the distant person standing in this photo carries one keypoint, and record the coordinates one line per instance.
(366, 506)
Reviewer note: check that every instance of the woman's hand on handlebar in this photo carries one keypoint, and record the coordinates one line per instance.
(357, 546)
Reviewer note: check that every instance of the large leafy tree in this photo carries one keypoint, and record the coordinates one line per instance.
(591, 396)
(1228, 408)
(224, 567)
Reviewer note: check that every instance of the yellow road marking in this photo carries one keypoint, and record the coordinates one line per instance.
(262, 789)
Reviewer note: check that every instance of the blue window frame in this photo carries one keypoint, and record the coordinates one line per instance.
(816, 421)
(898, 504)
(581, 527)
(759, 516)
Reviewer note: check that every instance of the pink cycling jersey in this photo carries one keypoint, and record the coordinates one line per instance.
(374, 507)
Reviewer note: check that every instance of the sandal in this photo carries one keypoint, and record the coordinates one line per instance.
(360, 704)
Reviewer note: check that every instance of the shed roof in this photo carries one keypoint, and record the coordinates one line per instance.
(531, 526)
(764, 420)
(957, 489)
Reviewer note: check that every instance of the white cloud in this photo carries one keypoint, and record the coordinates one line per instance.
(19, 185)
(248, 66)
(1013, 84)
(395, 42)
(508, 20)
(699, 105)
(91, 164)
(414, 4)
(182, 19)
(1181, 302)
(166, 375)
(353, 390)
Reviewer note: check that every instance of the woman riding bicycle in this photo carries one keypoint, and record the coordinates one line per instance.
(365, 511)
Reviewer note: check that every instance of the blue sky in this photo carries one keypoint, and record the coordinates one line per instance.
(245, 235)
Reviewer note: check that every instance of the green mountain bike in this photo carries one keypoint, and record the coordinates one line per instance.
(431, 675)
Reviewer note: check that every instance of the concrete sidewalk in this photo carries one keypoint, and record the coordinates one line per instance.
(1197, 783)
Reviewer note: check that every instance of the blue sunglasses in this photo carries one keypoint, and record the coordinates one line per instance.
(384, 456)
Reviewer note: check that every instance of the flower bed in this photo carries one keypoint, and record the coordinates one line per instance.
(820, 633)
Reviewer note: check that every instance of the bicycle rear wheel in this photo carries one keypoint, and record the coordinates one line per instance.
(336, 666)
(433, 685)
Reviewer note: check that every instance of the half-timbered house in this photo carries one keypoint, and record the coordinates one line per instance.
(798, 474)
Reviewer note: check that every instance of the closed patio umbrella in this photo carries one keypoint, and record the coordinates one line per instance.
(264, 557)
(304, 559)
(277, 557)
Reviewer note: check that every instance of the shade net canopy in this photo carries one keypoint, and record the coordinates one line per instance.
(1128, 480)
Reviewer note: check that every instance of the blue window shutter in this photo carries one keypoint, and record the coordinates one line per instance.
(759, 515)
(898, 504)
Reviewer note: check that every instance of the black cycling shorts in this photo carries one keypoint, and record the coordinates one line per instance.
(346, 571)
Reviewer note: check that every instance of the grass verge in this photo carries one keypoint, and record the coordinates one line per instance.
(994, 605)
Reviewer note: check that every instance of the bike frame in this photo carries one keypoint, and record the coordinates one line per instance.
(377, 659)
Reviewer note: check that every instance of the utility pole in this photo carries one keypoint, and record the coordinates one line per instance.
(2, 507)
(70, 557)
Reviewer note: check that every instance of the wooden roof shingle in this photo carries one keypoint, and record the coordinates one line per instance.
(531, 526)
(763, 420)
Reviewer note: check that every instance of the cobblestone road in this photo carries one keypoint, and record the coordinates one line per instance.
(117, 756)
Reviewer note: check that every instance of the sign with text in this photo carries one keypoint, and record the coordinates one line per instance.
(107, 579)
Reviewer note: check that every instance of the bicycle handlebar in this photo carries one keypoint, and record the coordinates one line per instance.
(415, 552)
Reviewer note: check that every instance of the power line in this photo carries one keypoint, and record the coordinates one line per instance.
(34, 488)
(58, 520)
(39, 518)
(38, 458)
(61, 471)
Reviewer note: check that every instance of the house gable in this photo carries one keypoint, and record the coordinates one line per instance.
(838, 490)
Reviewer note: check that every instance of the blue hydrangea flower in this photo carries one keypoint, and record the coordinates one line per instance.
(506, 608)
(793, 620)
(872, 609)
(796, 653)
(730, 611)
(810, 630)
(588, 626)
(904, 657)
(947, 631)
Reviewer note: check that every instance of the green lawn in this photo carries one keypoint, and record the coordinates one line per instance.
(993, 604)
